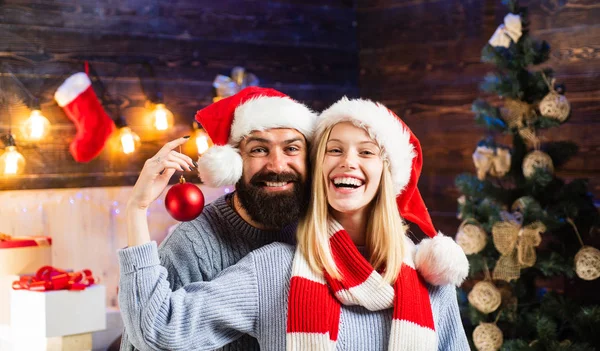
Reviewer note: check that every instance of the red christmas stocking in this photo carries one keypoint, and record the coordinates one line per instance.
(77, 98)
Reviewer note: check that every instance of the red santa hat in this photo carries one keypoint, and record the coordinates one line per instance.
(439, 259)
(229, 120)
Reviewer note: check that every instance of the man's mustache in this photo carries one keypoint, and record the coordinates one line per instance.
(275, 177)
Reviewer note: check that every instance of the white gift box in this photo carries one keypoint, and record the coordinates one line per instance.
(20, 260)
(78, 342)
(5, 289)
(58, 313)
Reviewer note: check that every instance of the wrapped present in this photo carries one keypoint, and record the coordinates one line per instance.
(49, 278)
(18, 256)
(46, 278)
(24, 255)
(56, 302)
(6, 282)
(58, 312)
(77, 342)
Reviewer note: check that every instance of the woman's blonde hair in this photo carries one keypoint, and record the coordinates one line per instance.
(385, 228)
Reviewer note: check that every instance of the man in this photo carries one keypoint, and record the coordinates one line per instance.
(261, 145)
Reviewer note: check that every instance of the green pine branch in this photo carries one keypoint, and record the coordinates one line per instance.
(586, 324)
(516, 345)
(555, 264)
(546, 329)
(533, 52)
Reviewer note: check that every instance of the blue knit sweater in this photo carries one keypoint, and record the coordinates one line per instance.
(248, 298)
(200, 249)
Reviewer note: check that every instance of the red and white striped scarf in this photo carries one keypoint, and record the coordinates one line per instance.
(315, 299)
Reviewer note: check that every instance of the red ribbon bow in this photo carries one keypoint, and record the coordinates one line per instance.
(51, 278)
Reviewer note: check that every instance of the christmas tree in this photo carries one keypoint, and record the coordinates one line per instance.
(524, 229)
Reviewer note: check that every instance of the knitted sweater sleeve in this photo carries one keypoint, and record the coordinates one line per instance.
(199, 316)
(449, 327)
(168, 250)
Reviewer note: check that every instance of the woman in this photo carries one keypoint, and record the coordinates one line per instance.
(350, 284)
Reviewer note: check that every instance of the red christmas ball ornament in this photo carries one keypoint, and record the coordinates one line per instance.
(184, 201)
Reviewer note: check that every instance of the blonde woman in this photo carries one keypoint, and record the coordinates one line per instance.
(355, 281)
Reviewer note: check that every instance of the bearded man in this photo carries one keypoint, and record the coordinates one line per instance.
(261, 145)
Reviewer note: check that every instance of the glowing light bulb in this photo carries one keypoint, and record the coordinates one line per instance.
(36, 126)
(129, 140)
(203, 141)
(163, 118)
(202, 144)
(127, 143)
(11, 161)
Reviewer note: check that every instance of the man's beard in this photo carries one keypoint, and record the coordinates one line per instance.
(273, 210)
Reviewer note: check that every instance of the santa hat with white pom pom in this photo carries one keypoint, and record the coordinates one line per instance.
(229, 120)
(438, 259)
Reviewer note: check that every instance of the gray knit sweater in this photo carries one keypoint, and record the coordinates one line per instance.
(248, 298)
(200, 249)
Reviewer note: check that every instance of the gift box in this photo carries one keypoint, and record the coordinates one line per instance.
(24, 255)
(5, 289)
(58, 313)
(19, 256)
(78, 342)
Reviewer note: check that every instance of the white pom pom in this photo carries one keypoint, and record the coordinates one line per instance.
(220, 165)
(441, 261)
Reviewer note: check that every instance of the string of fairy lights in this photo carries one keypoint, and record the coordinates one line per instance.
(36, 127)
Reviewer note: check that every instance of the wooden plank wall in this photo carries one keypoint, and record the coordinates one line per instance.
(422, 59)
(306, 49)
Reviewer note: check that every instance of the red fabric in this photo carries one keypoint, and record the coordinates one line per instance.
(305, 295)
(344, 251)
(49, 278)
(410, 203)
(217, 118)
(93, 125)
(25, 241)
(417, 310)
(314, 308)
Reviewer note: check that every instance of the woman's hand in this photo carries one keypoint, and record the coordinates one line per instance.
(156, 173)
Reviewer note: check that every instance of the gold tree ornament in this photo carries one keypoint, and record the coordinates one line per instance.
(537, 159)
(507, 268)
(516, 244)
(520, 115)
(471, 237)
(492, 161)
(555, 105)
(517, 113)
(488, 337)
(587, 259)
(485, 297)
(587, 263)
